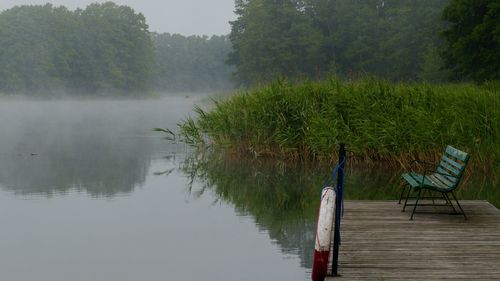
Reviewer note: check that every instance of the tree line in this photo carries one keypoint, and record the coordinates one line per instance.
(400, 40)
(108, 48)
(192, 63)
(103, 49)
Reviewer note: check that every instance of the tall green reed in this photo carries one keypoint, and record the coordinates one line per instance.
(379, 120)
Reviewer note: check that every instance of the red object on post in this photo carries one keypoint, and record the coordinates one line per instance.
(324, 234)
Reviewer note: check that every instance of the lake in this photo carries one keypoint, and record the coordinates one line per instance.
(89, 192)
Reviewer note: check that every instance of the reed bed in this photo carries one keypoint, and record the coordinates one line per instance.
(377, 119)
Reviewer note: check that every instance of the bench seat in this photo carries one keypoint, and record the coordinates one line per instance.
(444, 178)
(428, 182)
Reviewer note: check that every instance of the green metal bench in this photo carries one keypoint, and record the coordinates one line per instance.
(443, 179)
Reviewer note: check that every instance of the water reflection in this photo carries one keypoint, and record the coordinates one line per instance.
(103, 148)
(57, 153)
(77, 163)
(283, 199)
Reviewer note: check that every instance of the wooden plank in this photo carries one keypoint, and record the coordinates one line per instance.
(453, 166)
(411, 180)
(460, 155)
(440, 181)
(449, 181)
(379, 242)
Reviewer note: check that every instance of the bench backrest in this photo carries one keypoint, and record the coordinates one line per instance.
(452, 166)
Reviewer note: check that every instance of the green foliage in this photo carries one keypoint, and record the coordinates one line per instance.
(473, 39)
(169, 135)
(315, 38)
(104, 48)
(432, 67)
(377, 119)
(275, 191)
(118, 51)
(193, 63)
(272, 39)
(29, 39)
(284, 198)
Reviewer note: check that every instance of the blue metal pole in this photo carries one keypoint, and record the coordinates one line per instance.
(338, 210)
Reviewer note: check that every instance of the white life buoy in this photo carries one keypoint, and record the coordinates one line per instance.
(324, 231)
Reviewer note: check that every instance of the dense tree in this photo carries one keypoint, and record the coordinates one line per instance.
(33, 54)
(118, 52)
(272, 39)
(473, 50)
(192, 63)
(107, 48)
(104, 48)
(311, 38)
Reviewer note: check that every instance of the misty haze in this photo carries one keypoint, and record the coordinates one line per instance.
(192, 140)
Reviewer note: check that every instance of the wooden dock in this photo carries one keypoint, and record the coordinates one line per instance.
(380, 243)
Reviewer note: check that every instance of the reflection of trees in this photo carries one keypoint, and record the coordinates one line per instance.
(97, 168)
(283, 199)
(89, 150)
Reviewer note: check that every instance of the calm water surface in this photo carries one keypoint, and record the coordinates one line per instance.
(89, 192)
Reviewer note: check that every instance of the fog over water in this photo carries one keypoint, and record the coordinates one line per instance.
(104, 147)
(89, 192)
(187, 17)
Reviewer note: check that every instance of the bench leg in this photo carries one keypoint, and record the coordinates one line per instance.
(406, 201)
(458, 204)
(402, 193)
(448, 201)
(416, 203)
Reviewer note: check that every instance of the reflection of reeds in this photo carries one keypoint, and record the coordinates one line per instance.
(266, 189)
(283, 197)
(380, 121)
(272, 190)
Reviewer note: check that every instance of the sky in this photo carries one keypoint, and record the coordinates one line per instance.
(187, 17)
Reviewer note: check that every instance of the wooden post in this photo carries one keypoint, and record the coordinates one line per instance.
(338, 210)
